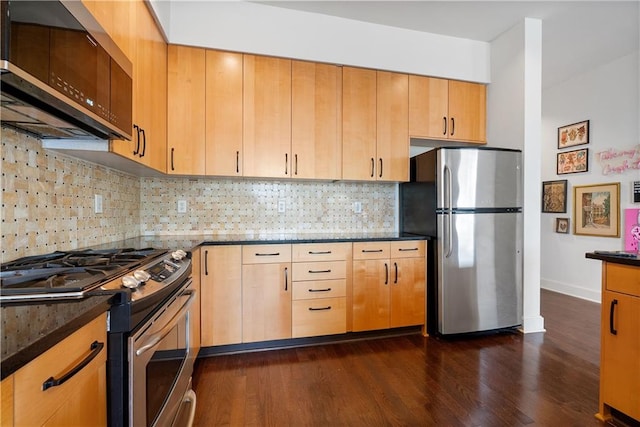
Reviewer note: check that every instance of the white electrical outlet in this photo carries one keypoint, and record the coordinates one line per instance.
(282, 206)
(182, 206)
(97, 203)
(357, 207)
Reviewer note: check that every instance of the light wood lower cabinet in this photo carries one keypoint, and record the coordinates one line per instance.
(620, 341)
(80, 400)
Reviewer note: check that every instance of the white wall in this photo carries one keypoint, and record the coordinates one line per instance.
(608, 97)
(268, 30)
(514, 109)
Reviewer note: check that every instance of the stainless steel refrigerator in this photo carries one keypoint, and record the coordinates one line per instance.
(469, 200)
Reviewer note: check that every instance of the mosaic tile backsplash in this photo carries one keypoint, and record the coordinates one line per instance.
(48, 203)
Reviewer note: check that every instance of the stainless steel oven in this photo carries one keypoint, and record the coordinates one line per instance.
(161, 364)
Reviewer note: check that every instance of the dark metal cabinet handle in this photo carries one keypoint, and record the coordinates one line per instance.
(144, 142)
(206, 263)
(296, 164)
(380, 167)
(407, 250)
(319, 252)
(321, 308)
(453, 126)
(612, 310)
(366, 251)
(137, 150)
(286, 279)
(395, 264)
(96, 347)
(286, 163)
(237, 162)
(319, 271)
(444, 121)
(386, 273)
(320, 290)
(373, 165)
(172, 151)
(272, 254)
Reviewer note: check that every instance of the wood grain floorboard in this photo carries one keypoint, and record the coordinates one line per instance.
(543, 379)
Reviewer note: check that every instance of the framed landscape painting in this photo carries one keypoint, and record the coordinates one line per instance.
(554, 196)
(596, 210)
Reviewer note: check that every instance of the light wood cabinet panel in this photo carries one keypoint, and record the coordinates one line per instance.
(6, 401)
(408, 286)
(223, 125)
(81, 400)
(358, 123)
(266, 302)
(186, 129)
(194, 314)
(116, 18)
(266, 254)
(302, 252)
(467, 111)
(392, 135)
(315, 289)
(221, 314)
(370, 294)
(267, 117)
(408, 249)
(325, 316)
(315, 133)
(371, 250)
(325, 270)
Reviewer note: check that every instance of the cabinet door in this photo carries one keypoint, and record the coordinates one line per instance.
(6, 401)
(428, 107)
(195, 328)
(358, 123)
(315, 130)
(267, 117)
(117, 19)
(467, 111)
(266, 302)
(154, 144)
(221, 301)
(371, 294)
(186, 154)
(223, 124)
(392, 148)
(408, 287)
(620, 370)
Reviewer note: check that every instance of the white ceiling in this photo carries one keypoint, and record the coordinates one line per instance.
(576, 35)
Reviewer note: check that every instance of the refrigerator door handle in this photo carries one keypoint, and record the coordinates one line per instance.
(447, 185)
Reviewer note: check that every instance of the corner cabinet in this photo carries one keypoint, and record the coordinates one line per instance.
(79, 400)
(447, 109)
(620, 341)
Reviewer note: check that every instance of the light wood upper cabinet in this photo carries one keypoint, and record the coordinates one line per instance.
(447, 109)
(392, 139)
(267, 117)
(223, 124)
(186, 128)
(116, 18)
(359, 88)
(315, 132)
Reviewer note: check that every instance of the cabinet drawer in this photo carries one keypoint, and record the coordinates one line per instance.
(623, 278)
(324, 316)
(265, 254)
(320, 251)
(315, 289)
(408, 249)
(34, 406)
(371, 250)
(319, 270)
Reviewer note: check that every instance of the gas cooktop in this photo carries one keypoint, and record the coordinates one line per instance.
(71, 273)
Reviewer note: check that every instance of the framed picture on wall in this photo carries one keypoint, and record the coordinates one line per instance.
(573, 161)
(596, 210)
(562, 225)
(554, 196)
(574, 134)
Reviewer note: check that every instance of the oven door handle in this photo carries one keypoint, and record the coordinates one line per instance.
(158, 336)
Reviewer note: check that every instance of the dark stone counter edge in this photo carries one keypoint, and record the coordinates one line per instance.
(25, 355)
(614, 259)
(313, 240)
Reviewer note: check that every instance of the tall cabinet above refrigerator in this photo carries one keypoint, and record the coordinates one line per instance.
(469, 200)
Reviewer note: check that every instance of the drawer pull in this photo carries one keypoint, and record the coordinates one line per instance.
(407, 250)
(367, 251)
(320, 290)
(319, 252)
(612, 310)
(319, 271)
(273, 254)
(96, 348)
(320, 308)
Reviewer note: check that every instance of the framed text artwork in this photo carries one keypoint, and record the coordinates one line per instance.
(573, 161)
(596, 210)
(574, 134)
(554, 196)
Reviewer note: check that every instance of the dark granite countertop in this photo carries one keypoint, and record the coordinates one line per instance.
(30, 329)
(616, 257)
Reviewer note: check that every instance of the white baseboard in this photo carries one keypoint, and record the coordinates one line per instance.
(572, 290)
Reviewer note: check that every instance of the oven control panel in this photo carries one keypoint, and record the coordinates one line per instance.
(163, 270)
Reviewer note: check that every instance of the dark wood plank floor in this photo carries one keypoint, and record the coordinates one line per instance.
(548, 379)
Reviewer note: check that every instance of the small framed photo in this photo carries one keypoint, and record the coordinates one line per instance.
(596, 210)
(573, 161)
(562, 225)
(574, 134)
(554, 196)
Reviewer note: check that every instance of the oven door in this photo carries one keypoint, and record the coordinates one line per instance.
(160, 363)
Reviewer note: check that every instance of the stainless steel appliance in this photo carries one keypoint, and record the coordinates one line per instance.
(62, 75)
(470, 201)
(150, 353)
